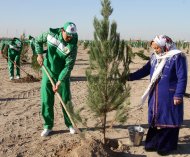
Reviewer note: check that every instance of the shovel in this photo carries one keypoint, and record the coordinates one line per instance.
(28, 75)
(60, 99)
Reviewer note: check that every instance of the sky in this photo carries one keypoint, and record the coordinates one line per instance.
(136, 19)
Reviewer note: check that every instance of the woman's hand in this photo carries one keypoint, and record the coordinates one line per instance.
(177, 101)
(56, 87)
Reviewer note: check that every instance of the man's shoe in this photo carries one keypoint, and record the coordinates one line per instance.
(72, 130)
(11, 78)
(46, 132)
(17, 77)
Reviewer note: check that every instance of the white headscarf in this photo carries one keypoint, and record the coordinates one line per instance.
(165, 43)
(168, 46)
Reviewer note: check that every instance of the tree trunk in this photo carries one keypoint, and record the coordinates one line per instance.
(104, 128)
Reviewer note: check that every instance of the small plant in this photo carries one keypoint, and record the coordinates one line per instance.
(86, 44)
(25, 46)
(35, 65)
(108, 71)
(142, 55)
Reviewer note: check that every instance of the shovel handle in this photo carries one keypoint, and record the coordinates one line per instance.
(16, 65)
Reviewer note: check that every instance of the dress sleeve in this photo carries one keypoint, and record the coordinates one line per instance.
(181, 72)
(142, 72)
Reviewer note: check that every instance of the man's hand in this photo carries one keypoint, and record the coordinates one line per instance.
(177, 101)
(40, 59)
(56, 87)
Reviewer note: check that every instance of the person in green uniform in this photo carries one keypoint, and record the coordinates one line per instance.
(34, 64)
(32, 44)
(59, 61)
(14, 51)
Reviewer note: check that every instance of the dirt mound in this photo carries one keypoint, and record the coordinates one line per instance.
(27, 79)
(88, 148)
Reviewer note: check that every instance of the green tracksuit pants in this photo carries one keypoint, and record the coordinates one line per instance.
(14, 58)
(47, 100)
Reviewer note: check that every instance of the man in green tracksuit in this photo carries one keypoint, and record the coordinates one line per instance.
(14, 51)
(32, 44)
(59, 61)
(34, 64)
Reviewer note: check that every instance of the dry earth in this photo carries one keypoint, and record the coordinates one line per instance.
(21, 122)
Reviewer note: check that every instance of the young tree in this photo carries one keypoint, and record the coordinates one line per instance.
(109, 67)
(24, 55)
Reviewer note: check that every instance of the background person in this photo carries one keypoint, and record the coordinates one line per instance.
(14, 51)
(167, 68)
(32, 44)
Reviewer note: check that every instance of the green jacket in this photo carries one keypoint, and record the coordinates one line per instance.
(61, 55)
(4, 43)
(14, 46)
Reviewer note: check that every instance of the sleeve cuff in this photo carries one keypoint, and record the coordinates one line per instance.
(178, 98)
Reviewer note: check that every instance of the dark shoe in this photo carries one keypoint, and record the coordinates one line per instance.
(163, 153)
(151, 149)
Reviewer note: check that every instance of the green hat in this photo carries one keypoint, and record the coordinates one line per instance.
(70, 28)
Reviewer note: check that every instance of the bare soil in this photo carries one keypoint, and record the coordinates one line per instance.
(21, 122)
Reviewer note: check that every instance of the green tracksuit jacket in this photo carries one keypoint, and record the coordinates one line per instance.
(59, 61)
